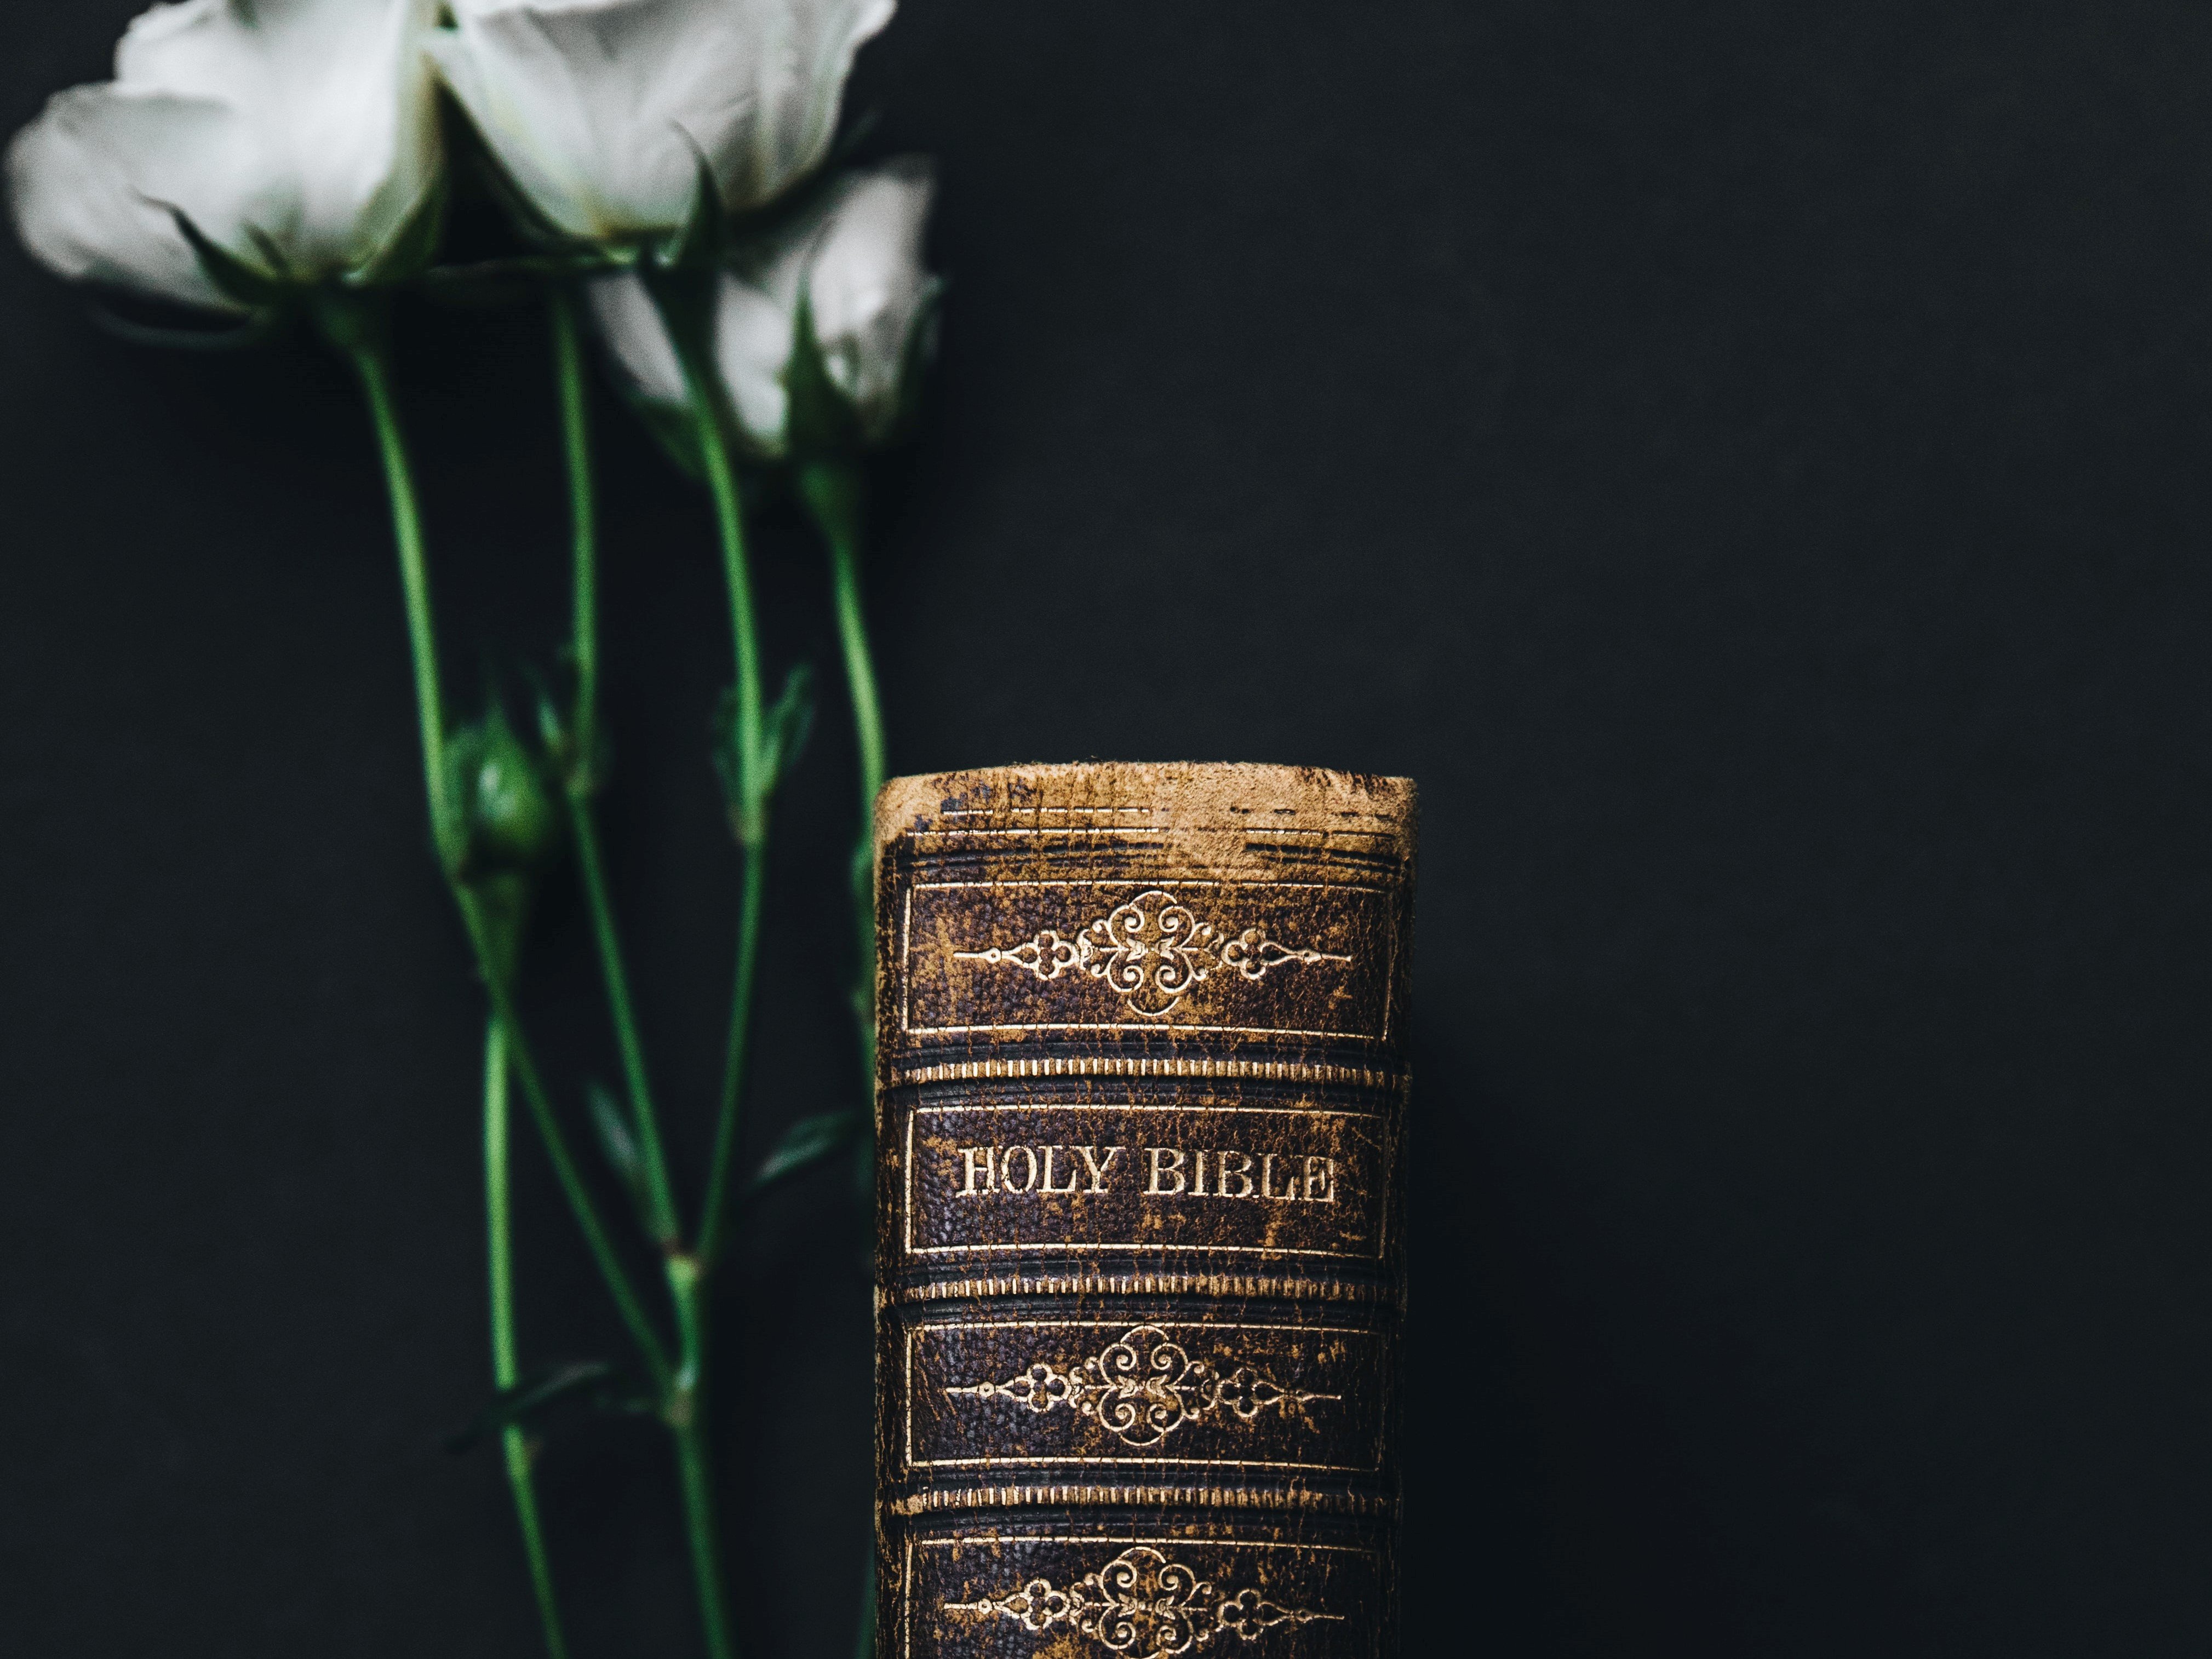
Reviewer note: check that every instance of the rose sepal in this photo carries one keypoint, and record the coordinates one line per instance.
(413, 246)
(237, 281)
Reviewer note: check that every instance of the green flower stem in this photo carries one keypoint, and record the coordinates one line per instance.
(752, 895)
(836, 496)
(580, 1199)
(692, 1454)
(685, 306)
(370, 364)
(682, 1406)
(696, 1469)
(659, 1193)
(367, 354)
(500, 1239)
(683, 1401)
(752, 811)
(582, 780)
(693, 1465)
(583, 521)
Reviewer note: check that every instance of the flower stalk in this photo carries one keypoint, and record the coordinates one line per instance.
(836, 499)
(352, 328)
(834, 493)
(682, 1403)
(581, 781)
(514, 1443)
(357, 333)
(684, 300)
(695, 1467)
(584, 537)
(689, 1275)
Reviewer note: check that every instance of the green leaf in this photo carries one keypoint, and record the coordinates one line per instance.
(595, 1382)
(271, 255)
(232, 275)
(685, 300)
(567, 771)
(822, 420)
(806, 1143)
(414, 245)
(729, 763)
(705, 231)
(618, 1141)
(787, 724)
(552, 718)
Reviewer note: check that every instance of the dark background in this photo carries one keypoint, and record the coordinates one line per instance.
(1748, 462)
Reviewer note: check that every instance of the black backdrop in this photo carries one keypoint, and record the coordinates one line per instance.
(1748, 462)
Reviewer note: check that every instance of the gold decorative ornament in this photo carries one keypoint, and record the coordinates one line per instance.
(1150, 952)
(1144, 1605)
(1143, 1387)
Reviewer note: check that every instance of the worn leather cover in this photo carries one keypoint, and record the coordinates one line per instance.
(1140, 1110)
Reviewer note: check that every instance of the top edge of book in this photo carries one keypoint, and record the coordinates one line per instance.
(1138, 795)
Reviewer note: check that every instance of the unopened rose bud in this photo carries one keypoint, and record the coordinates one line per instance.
(821, 326)
(507, 819)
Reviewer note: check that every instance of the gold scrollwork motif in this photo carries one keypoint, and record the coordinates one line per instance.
(1144, 1387)
(1149, 952)
(1144, 1605)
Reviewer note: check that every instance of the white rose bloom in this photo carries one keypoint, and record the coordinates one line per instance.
(855, 257)
(600, 111)
(299, 136)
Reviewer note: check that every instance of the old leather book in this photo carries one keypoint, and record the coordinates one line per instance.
(1139, 1104)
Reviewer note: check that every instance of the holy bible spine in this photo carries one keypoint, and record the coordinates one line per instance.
(1141, 1097)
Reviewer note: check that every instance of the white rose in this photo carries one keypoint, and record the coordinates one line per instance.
(854, 256)
(601, 111)
(298, 136)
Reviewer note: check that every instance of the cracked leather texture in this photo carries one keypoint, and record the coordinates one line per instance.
(1140, 1101)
